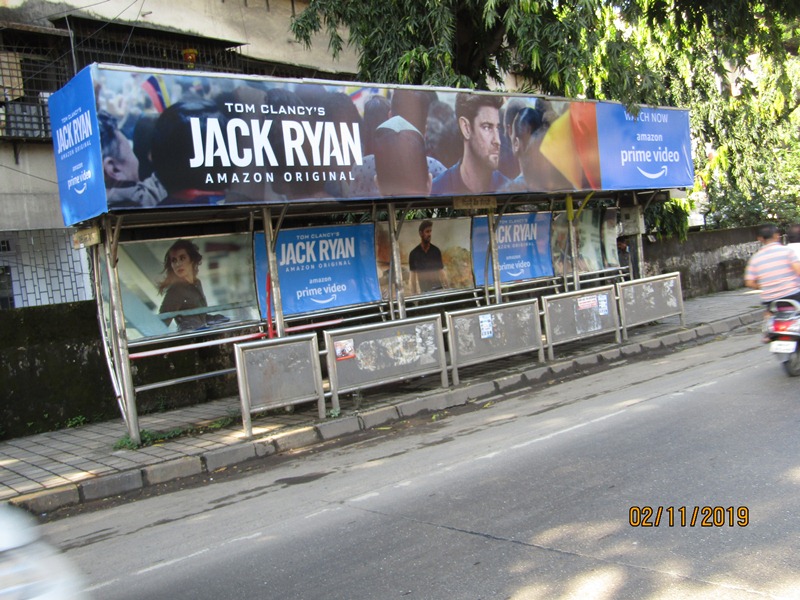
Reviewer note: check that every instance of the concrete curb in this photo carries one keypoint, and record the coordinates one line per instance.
(44, 501)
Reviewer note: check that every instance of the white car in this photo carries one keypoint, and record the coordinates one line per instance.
(29, 566)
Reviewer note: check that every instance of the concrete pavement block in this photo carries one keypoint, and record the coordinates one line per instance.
(231, 455)
(725, 325)
(587, 361)
(296, 438)
(111, 485)
(537, 373)
(560, 368)
(379, 416)
(610, 355)
(479, 390)
(673, 339)
(335, 428)
(508, 382)
(456, 397)
(418, 405)
(754, 317)
(631, 349)
(48, 500)
(264, 448)
(704, 331)
(172, 469)
(687, 335)
(653, 344)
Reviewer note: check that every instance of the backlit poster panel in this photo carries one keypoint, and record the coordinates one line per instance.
(434, 254)
(588, 240)
(609, 233)
(320, 268)
(186, 285)
(523, 247)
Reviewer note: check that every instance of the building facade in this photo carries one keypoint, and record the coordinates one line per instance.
(43, 44)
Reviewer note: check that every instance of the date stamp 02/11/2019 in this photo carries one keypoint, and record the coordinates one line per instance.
(689, 516)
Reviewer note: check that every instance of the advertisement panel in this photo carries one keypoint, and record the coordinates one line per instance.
(176, 139)
(523, 247)
(77, 148)
(320, 268)
(186, 285)
(595, 239)
(434, 255)
(651, 150)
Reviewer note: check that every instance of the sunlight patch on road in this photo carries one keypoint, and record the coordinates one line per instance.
(600, 584)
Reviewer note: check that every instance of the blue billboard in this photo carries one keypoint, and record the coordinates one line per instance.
(523, 247)
(651, 150)
(320, 268)
(136, 139)
(78, 151)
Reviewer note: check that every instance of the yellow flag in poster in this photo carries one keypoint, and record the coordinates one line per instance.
(558, 146)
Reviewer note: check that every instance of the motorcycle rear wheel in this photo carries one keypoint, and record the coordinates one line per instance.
(792, 364)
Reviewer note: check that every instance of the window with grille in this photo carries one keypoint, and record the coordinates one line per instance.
(6, 289)
(32, 67)
(37, 61)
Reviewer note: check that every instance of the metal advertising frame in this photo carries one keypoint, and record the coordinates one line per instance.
(373, 355)
(591, 316)
(640, 301)
(493, 332)
(278, 373)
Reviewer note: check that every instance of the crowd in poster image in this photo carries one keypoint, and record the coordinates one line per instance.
(176, 140)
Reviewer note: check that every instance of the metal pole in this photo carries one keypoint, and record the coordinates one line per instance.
(397, 270)
(119, 334)
(573, 251)
(498, 297)
(271, 241)
(108, 349)
(639, 272)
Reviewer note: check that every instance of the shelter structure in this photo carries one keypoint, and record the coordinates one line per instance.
(223, 209)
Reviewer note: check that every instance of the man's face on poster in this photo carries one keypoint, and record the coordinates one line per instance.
(484, 136)
(425, 235)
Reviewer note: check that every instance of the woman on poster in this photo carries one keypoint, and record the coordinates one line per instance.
(182, 288)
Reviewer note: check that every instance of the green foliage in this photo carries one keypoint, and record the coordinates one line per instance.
(732, 62)
(76, 421)
(670, 218)
(149, 437)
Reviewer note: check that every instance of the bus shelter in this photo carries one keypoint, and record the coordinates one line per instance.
(230, 208)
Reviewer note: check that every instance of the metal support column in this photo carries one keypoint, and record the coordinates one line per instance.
(573, 251)
(492, 223)
(271, 240)
(397, 270)
(119, 336)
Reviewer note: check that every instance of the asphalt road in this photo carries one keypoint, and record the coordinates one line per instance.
(528, 498)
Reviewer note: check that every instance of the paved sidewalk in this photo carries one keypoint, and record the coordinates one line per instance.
(61, 468)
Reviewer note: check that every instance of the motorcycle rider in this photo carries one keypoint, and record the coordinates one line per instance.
(774, 269)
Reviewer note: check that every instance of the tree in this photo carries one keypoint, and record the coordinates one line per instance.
(732, 61)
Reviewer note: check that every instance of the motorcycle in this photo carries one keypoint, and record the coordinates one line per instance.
(783, 331)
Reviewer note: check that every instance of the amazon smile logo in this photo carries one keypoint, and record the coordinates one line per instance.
(79, 181)
(661, 173)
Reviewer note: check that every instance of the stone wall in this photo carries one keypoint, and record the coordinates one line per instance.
(53, 372)
(708, 261)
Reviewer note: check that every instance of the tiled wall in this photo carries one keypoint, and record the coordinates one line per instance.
(44, 267)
